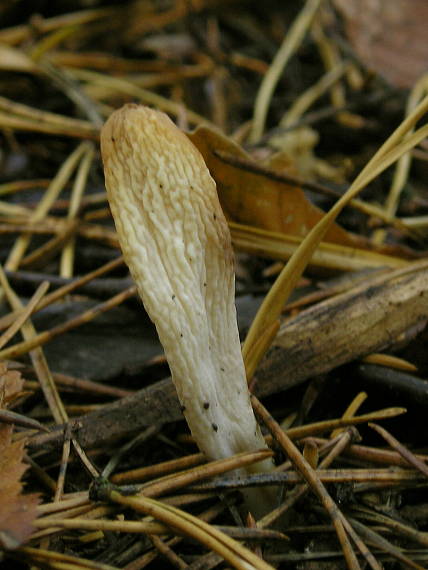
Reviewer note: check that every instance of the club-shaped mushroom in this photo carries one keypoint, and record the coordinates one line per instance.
(177, 245)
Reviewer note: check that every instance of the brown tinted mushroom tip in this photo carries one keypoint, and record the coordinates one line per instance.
(177, 245)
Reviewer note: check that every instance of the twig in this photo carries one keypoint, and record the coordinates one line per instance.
(290, 44)
(140, 438)
(397, 446)
(163, 468)
(168, 553)
(66, 289)
(25, 314)
(175, 481)
(339, 521)
(63, 465)
(342, 442)
(234, 553)
(87, 316)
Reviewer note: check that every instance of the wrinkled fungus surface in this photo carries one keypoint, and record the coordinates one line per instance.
(177, 245)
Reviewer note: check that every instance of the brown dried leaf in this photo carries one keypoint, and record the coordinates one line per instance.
(11, 384)
(389, 37)
(257, 200)
(17, 511)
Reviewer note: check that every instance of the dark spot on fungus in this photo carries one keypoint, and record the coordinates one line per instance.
(182, 408)
(206, 405)
(215, 427)
(113, 139)
(160, 185)
(222, 369)
(205, 284)
(215, 216)
(181, 335)
(173, 297)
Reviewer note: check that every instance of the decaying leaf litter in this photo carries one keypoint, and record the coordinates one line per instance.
(290, 123)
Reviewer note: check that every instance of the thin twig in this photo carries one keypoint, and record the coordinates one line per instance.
(339, 521)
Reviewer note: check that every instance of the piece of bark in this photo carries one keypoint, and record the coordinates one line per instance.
(366, 319)
(369, 318)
